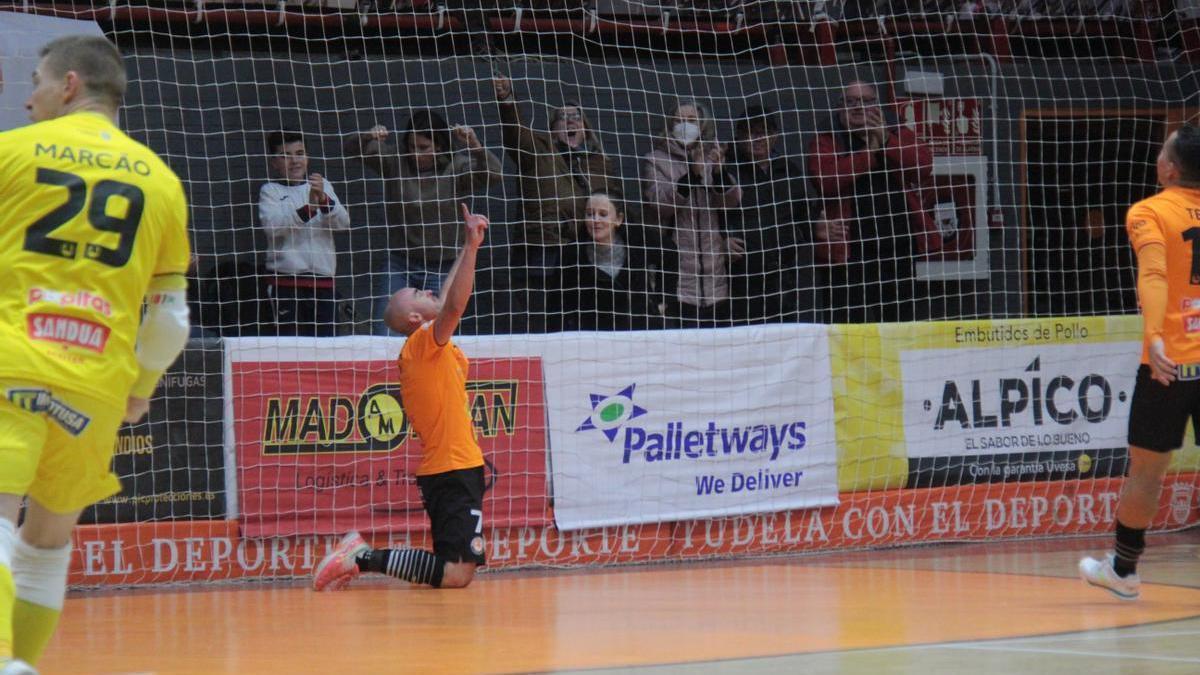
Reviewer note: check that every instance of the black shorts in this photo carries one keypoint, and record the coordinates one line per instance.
(1159, 413)
(454, 502)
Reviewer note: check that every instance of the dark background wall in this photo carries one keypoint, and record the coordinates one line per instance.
(207, 112)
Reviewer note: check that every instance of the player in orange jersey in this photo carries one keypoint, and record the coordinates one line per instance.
(433, 384)
(1165, 233)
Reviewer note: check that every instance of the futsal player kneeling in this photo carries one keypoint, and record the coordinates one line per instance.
(433, 384)
(1167, 393)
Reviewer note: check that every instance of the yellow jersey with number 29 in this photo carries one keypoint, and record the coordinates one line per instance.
(89, 217)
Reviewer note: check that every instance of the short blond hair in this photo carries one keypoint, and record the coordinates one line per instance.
(94, 59)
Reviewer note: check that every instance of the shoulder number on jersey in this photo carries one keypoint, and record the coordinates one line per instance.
(38, 239)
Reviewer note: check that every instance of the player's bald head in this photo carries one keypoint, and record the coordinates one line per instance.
(94, 59)
(1183, 148)
(408, 308)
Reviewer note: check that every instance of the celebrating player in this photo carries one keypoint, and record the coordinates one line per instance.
(95, 224)
(433, 384)
(1167, 392)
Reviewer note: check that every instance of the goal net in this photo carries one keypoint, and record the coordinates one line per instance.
(762, 277)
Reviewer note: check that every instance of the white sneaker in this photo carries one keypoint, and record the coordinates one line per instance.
(1100, 573)
(17, 667)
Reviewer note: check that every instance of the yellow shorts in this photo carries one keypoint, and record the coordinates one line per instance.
(56, 446)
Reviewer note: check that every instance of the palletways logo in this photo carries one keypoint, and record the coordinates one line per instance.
(615, 414)
(610, 412)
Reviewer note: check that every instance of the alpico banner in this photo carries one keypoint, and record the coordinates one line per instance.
(1017, 401)
(672, 425)
(324, 447)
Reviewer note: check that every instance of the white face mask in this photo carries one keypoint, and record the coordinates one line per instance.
(686, 132)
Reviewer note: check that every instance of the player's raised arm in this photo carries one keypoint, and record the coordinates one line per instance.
(461, 280)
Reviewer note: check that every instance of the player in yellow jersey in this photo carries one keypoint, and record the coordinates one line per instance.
(433, 384)
(94, 227)
(1164, 231)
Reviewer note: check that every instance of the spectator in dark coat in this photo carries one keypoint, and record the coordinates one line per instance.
(556, 173)
(875, 180)
(774, 282)
(425, 181)
(608, 277)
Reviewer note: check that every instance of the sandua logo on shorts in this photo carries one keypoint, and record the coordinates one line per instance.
(612, 414)
(41, 401)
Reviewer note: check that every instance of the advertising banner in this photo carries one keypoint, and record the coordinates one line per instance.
(139, 553)
(1045, 411)
(959, 402)
(324, 447)
(672, 425)
(172, 464)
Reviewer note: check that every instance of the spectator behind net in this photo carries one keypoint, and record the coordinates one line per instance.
(607, 276)
(425, 180)
(299, 212)
(775, 280)
(687, 187)
(874, 178)
(556, 173)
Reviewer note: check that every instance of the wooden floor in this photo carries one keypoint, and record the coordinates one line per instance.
(980, 608)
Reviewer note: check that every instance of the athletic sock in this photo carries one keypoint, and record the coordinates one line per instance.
(410, 564)
(8, 588)
(41, 581)
(1130, 543)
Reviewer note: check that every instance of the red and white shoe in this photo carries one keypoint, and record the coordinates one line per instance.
(338, 569)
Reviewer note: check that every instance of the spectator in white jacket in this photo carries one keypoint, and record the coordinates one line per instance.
(299, 212)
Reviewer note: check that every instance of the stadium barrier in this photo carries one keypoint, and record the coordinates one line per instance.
(912, 433)
(213, 550)
(172, 464)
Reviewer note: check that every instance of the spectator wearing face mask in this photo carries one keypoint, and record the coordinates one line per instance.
(687, 187)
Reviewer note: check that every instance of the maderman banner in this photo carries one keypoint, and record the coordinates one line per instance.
(325, 447)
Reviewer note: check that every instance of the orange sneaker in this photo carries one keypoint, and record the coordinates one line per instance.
(338, 569)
